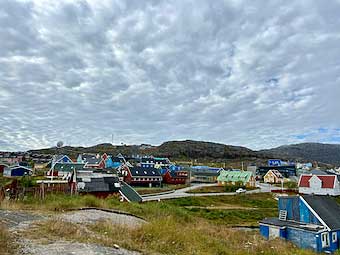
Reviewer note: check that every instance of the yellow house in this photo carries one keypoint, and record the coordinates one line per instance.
(273, 176)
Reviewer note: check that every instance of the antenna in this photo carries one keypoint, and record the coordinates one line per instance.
(60, 144)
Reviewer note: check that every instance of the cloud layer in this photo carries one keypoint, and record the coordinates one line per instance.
(249, 73)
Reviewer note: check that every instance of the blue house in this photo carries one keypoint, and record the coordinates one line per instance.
(309, 221)
(16, 171)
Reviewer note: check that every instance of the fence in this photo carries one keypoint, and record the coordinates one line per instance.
(19, 193)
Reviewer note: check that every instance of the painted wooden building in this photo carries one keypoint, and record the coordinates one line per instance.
(136, 175)
(17, 171)
(245, 177)
(175, 177)
(273, 176)
(319, 184)
(92, 160)
(204, 174)
(285, 170)
(62, 169)
(309, 221)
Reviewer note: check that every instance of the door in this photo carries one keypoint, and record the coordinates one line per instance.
(274, 232)
(325, 239)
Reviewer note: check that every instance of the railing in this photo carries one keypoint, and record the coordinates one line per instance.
(129, 193)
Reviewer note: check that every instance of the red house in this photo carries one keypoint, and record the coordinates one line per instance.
(141, 175)
(175, 177)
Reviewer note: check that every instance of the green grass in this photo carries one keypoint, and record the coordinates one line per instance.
(164, 188)
(218, 189)
(5, 180)
(260, 200)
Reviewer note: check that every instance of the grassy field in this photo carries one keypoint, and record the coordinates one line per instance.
(164, 188)
(195, 225)
(217, 189)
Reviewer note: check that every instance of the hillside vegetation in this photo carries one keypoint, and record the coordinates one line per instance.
(213, 152)
(174, 149)
(326, 153)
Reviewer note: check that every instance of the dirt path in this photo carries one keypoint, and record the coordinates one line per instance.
(71, 248)
(16, 221)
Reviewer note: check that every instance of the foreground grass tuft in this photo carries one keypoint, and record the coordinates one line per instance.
(6, 242)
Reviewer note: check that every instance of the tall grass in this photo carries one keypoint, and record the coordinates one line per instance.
(6, 242)
(169, 236)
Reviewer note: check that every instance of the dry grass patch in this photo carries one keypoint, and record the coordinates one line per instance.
(6, 242)
(167, 236)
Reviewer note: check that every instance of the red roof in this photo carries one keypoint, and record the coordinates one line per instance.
(327, 181)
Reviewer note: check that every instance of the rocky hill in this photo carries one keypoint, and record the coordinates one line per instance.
(326, 153)
(174, 149)
(208, 151)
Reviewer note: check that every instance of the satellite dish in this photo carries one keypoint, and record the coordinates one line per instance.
(60, 144)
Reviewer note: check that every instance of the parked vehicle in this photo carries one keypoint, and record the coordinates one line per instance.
(240, 190)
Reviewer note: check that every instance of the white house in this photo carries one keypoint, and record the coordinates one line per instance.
(326, 184)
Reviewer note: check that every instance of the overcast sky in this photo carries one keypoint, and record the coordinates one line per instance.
(252, 73)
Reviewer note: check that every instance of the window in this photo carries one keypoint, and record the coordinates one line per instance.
(283, 215)
(325, 239)
(334, 237)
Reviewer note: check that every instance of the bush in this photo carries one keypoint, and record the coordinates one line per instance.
(233, 187)
(27, 181)
(290, 185)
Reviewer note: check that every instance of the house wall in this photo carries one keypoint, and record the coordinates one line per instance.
(303, 239)
(333, 245)
(306, 215)
(269, 177)
(291, 205)
(264, 231)
(319, 191)
(7, 172)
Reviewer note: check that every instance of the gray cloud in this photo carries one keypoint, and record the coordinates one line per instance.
(250, 73)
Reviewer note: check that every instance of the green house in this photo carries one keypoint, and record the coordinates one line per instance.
(244, 177)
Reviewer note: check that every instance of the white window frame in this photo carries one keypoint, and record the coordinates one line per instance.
(334, 237)
(325, 239)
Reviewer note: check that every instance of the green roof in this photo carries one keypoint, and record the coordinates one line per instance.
(68, 167)
(234, 176)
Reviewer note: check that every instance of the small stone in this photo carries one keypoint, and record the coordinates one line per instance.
(116, 246)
